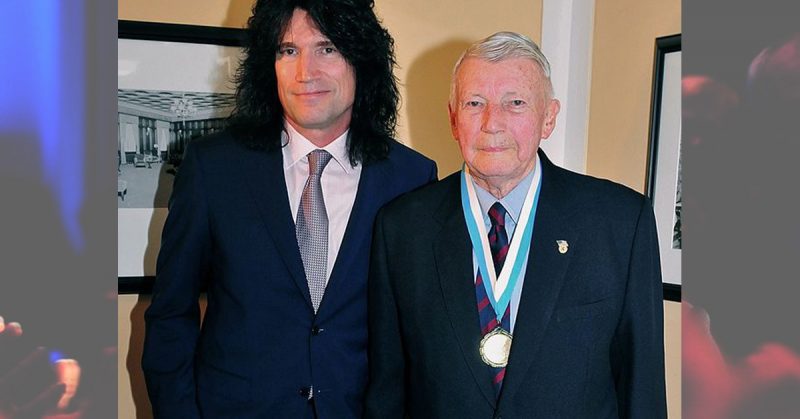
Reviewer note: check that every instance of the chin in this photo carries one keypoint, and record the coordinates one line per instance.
(494, 167)
(497, 174)
(312, 121)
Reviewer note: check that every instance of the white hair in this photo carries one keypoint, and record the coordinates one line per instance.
(502, 46)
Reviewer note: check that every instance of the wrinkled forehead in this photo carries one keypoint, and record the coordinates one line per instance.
(528, 64)
(517, 73)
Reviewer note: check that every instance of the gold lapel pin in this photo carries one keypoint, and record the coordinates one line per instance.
(563, 246)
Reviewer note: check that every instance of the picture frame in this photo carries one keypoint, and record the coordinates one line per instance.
(663, 176)
(175, 83)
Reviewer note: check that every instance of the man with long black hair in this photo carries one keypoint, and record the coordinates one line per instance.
(275, 216)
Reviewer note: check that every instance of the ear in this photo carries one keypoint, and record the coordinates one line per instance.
(550, 113)
(453, 126)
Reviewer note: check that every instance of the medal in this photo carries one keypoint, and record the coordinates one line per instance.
(495, 348)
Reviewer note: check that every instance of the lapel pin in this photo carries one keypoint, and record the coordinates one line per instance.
(563, 246)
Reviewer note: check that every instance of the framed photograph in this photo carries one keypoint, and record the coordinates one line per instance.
(175, 84)
(663, 183)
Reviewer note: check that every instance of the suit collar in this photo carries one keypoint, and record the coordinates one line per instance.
(297, 148)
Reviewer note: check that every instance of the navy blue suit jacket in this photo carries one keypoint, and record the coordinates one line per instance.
(260, 347)
(588, 339)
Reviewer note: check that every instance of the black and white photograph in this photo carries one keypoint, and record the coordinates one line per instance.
(175, 84)
(154, 129)
(663, 185)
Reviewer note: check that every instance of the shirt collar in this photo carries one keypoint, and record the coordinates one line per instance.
(512, 202)
(298, 147)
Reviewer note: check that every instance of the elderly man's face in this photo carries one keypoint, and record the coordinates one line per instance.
(501, 113)
(316, 85)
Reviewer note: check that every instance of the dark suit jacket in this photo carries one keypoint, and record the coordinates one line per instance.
(260, 347)
(588, 337)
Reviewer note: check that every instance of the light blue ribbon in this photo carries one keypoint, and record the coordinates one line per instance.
(499, 306)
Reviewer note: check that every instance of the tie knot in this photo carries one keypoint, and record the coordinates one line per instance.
(497, 215)
(317, 160)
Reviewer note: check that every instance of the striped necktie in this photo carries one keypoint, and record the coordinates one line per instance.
(498, 243)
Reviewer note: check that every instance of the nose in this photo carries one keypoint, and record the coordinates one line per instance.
(306, 68)
(493, 121)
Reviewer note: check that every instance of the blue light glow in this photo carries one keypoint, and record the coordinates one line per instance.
(55, 356)
(42, 98)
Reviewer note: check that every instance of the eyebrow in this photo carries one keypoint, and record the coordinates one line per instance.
(286, 44)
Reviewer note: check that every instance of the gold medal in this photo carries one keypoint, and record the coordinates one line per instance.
(495, 348)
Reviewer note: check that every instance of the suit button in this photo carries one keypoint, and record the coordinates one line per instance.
(316, 330)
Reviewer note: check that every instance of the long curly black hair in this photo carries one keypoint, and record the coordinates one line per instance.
(366, 45)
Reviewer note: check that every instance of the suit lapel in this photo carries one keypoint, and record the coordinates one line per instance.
(268, 186)
(369, 198)
(453, 258)
(544, 278)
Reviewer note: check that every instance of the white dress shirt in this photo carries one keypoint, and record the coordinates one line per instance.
(339, 184)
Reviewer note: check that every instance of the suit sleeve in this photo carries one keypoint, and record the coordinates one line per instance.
(173, 319)
(638, 352)
(386, 391)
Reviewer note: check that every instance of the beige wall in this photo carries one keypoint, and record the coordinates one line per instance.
(132, 401)
(622, 72)
(427, 44)
(230, 13)
(672, 357)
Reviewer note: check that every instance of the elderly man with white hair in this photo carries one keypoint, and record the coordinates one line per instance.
(514, 288)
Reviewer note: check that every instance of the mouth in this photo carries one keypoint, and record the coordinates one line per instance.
(312, 94)
(494, 149)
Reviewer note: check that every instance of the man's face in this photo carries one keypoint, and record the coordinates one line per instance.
(316, 85)
(500, 114)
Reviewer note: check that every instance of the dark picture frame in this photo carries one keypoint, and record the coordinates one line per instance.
(663, 176)
(139, 229)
